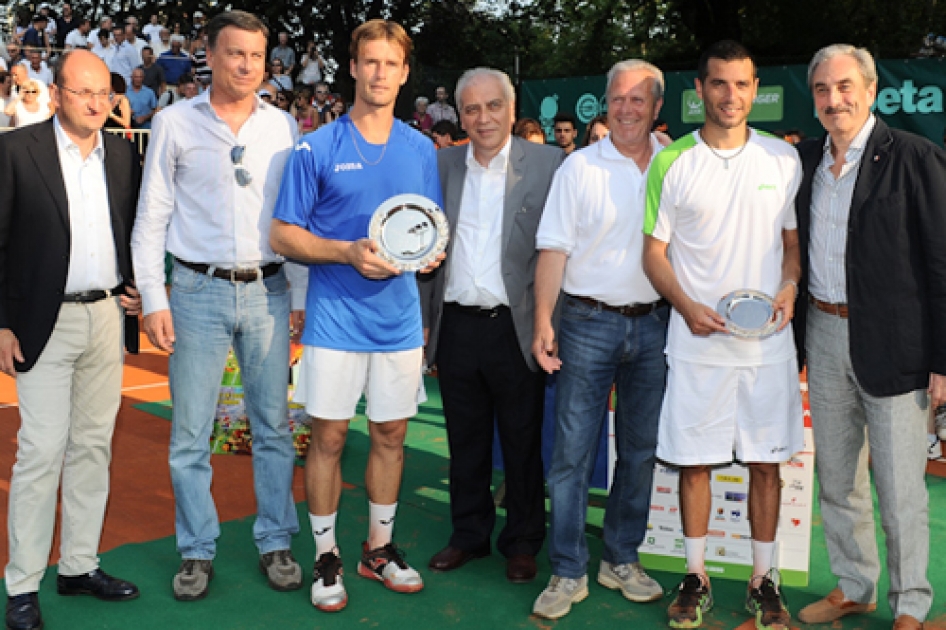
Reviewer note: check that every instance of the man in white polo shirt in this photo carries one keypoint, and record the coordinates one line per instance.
(722, 201)
(613, 331)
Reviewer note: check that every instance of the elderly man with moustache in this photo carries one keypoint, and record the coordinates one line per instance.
(872, 226)
(613, 330)
(66, 214)
(481, 321)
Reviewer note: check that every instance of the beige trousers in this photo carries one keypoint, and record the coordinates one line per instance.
(68, 403)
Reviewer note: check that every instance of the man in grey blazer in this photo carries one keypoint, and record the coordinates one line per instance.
(480, 307)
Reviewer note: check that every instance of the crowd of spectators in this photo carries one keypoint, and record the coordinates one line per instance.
(170, 54)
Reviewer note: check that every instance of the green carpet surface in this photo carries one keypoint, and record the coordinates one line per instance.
(476, 596)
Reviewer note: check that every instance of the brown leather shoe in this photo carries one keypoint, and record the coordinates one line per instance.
(450, 558)
(832, 607)
(520, 568)
(906, 622)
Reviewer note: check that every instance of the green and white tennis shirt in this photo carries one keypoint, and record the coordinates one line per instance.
(723, 214)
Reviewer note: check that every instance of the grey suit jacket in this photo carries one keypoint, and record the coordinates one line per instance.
(528, 179)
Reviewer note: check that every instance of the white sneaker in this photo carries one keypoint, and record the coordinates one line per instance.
(328, 589)
(557, 598)
(940, 422)
(631, 580)
(386, 565)
(934, 452)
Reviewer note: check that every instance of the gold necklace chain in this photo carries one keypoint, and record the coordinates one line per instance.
(354, 140)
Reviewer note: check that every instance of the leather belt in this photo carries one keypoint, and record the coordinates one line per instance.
(629, 310)
(234, 275)
(95, 295)
(478, 311)
(840, 310)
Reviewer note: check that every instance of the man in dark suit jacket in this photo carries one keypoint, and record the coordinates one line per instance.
(481, 307)
(67, 203)
(872, 228)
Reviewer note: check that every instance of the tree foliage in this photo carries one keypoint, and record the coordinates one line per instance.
(551, 38)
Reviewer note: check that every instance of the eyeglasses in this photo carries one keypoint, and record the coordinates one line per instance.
(243, 176)
(88, 95)
(323, 92)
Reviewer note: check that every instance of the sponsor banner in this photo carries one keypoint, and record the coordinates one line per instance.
(909, 96)
(728, 541)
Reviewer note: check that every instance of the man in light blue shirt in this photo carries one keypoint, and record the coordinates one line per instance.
(142, 99)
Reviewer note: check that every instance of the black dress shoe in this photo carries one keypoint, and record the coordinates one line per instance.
(98, 583)
(450, 558)
(520, 568)
(23, 612)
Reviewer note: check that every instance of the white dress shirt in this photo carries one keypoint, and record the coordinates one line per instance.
(191, 203)
(830, 208)
(125, 59)
(474, 274)
(93, 261)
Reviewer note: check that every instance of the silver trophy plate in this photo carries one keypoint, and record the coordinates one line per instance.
(748, 314)
(410, 230)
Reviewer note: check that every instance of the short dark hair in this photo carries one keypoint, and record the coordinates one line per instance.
(726, 50)
(118, 84)
(184, 79)
(147, 48)
(238, 19)
(104, 33)
(565, 117)
(445, 128)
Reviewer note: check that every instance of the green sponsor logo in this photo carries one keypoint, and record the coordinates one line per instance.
(767, 187)
(767, 106)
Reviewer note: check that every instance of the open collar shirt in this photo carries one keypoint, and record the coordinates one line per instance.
(830, 207)
(191, 203)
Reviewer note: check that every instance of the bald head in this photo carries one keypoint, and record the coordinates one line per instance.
(82, 95)
(80, 63)
(19, 73)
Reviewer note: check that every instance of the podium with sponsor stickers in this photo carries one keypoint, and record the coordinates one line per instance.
(728, 543)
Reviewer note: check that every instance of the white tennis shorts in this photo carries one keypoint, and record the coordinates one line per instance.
(712, 412)
(331, 382)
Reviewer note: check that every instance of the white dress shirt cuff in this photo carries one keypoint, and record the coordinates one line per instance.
(153, 300)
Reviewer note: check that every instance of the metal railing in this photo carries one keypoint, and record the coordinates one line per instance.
(138, 136)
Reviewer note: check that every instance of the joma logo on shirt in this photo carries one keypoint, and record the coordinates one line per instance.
(767, 187)
(348, 166)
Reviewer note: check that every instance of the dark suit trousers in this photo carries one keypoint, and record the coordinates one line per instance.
(483, 376)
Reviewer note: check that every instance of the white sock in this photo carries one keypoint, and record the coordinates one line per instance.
(763, 554)
(323, 530)
(380, 524)
(695, 549)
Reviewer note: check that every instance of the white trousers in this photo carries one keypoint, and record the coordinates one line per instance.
(68, 402)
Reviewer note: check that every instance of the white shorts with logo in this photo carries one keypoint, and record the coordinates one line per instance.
(331, 382)
(711, 412)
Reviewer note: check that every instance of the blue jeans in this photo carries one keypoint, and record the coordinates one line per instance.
(599, 348)
(211, 316)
